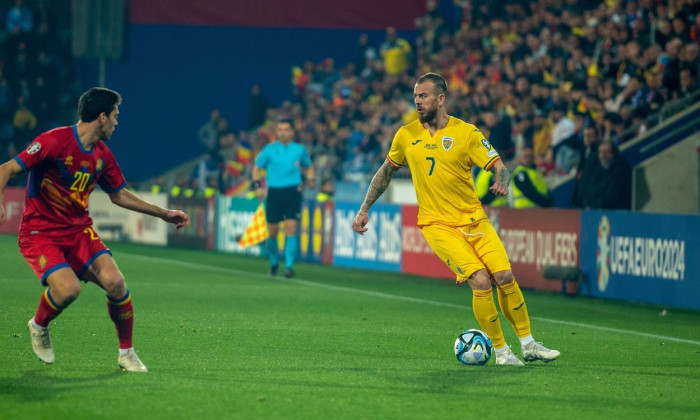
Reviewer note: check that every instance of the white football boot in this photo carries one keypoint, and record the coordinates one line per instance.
(130, 362)
(505, 356)
(41, 342)
(536, 351)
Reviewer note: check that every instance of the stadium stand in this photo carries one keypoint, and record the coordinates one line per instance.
(513, 67)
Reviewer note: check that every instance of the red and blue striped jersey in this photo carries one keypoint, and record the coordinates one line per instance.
(62, 174)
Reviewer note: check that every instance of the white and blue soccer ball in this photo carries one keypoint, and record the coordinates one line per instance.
(473, 347)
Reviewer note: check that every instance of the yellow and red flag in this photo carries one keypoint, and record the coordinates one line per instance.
(256, 231)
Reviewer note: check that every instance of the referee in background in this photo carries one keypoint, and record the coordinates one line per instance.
(282, 160)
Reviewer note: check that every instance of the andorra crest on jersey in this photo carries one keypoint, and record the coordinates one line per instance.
(34, 147)
(100, 164)
(447, 143)
(42, 261)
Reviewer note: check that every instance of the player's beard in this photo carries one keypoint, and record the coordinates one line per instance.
(428, 116)
(105, 135)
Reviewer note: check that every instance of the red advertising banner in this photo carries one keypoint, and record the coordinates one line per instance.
(14, 207)
(417, 257)
(535, 238)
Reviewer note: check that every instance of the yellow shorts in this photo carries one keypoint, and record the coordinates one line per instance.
(468, 249)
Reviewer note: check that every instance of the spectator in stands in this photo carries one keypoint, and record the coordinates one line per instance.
(499, 132)
(528, 187)
(209, 132)
(257, 107)
(687, 84)
(179, 186)
(364, 56)
(563, 155)
(24, 123)
(326, 190)
(20, 19)
(483, 181)
(396, 53)
(608, 185)
(588, 158)
(158, 185)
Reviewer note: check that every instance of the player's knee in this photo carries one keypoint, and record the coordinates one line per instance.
(480, 280)
(503, 277)
(64, 294)
(116, 287)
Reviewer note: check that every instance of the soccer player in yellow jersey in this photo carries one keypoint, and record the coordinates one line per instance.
(441, 150)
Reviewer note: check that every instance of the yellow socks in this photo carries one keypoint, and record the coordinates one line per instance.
(513, 306)
(487, 315)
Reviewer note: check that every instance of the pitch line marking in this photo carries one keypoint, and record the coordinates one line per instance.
(403, 298)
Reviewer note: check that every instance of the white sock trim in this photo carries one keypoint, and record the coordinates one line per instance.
(125, 351)
(502, 350)
(524, 341)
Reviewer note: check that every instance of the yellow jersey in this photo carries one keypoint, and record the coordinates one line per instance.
(441, 169)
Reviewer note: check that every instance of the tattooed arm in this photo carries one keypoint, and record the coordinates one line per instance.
(501, 175)
(379, 184)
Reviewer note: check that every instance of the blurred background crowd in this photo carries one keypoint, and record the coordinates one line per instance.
(546, 81)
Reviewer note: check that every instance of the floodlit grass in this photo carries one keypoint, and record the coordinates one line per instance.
(222, 340)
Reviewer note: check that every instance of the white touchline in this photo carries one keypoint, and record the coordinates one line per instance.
(403, 298)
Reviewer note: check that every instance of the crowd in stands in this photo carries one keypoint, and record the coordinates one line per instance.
(534, 76)
(531, 75)
(38, 78)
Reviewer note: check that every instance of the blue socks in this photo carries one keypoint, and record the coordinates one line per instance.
(273, 251)
(290, 251)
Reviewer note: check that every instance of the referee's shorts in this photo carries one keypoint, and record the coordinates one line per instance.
(283, 204)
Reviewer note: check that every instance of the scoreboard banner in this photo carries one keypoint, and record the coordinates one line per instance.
(379, 248)
(642, 257)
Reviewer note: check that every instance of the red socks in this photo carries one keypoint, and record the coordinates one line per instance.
(48, 310)
(122, 314)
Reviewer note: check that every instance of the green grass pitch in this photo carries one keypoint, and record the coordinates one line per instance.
(223, 340)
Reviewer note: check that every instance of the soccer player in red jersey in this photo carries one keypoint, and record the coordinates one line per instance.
(56, 235)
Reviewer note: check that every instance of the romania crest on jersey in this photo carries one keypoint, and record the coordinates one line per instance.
(447, 143)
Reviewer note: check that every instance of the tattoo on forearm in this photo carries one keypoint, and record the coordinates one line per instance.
(379, 184)
(504, 176)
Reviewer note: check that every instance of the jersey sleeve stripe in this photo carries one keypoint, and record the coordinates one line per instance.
(491, 162)
(398, 165)
(19, 161)
(106, 189)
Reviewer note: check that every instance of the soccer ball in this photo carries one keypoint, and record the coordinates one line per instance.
(473, 347)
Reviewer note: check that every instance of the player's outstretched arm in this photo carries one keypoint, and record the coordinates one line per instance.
(7, 171)
(380, 182)
(128, 200)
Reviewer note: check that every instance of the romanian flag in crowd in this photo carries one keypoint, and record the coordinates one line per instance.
(256, 231)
